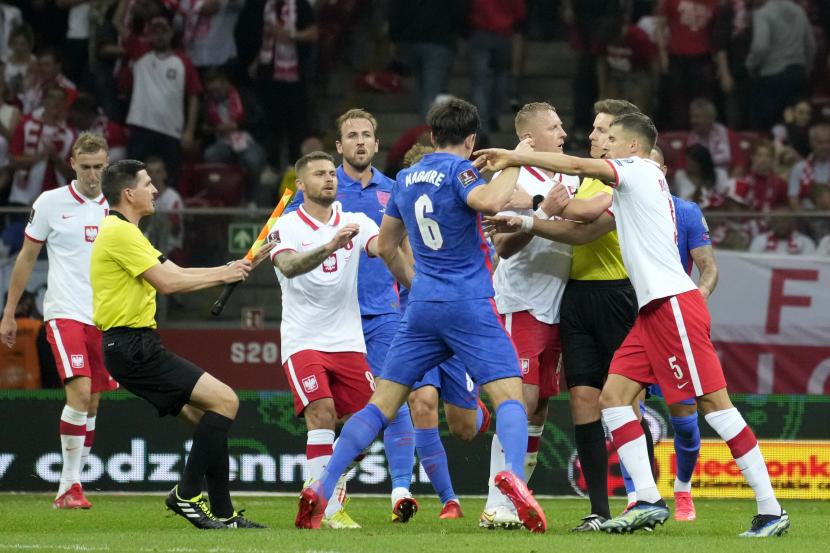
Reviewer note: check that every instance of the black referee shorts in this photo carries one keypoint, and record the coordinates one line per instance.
(136, 358)
(595, 318)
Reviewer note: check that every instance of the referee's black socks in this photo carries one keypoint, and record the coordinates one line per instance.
(208, 459)
(649, 444)
(593, 457)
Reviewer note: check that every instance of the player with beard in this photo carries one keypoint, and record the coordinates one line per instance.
(362, 188)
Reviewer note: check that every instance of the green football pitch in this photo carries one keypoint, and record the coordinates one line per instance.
(140, 523)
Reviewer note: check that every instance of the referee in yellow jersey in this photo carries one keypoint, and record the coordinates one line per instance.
(126, 271)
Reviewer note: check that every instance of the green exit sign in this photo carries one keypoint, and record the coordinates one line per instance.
(241, 236)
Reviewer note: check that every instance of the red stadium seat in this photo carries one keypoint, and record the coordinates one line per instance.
(213, 184)
(673, 144)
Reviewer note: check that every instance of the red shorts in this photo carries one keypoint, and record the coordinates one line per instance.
(669, 345)
(343, 376)
(78, 352)
(539, 349)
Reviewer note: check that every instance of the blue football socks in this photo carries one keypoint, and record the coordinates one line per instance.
(433, 458)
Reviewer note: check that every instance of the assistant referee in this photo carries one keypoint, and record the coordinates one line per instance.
(126, 271)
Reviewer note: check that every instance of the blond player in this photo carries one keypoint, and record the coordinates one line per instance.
(529, 283)
(66, 219)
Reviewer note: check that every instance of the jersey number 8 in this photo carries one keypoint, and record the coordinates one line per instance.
(430, 231)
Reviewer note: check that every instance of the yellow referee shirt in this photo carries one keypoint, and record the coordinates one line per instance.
(600, 259)
(120, 297)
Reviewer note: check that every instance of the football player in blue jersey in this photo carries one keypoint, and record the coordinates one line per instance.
(437, 203)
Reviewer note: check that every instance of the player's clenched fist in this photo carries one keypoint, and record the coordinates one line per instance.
(237, 270)
(344, 236)
(556, 200)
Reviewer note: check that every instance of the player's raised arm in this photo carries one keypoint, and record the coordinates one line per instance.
(388, 247)
(494, 196)
(496, 159)
(291, 263)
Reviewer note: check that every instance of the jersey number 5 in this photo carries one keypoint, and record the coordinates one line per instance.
(430, 231)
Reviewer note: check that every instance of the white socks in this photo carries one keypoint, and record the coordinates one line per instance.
(630, 442)
(73, 434)
(732, 428)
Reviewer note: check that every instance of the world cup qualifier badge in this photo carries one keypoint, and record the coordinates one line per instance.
(467, 177)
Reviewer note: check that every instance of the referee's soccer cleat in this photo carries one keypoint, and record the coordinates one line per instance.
(196, 511)
(311, 508)
(528, 509)
(237, 520)
(642, 515)
(500, 516)
(764, 526)
(591, 523)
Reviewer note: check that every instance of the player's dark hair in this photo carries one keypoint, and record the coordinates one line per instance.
(641, 125)
(453, 121)
(118, 176)
(615, 107)
(309, 157)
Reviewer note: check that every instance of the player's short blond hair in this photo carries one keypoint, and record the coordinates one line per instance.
(356, 113)
(527, 112)
(415, 153)
(89, 143)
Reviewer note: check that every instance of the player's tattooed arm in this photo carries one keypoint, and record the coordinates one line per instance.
(293, 264)
(704, 259)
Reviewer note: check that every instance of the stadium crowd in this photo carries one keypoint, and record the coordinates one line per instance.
(740, 88)
(742, 98)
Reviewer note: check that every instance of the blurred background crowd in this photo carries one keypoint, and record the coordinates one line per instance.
(219, 97)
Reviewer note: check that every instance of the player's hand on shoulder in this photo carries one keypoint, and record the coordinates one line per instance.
(556, 200)
(501, 224)
(262, 253)
(344, 236)
(8, 331)
(237, 270)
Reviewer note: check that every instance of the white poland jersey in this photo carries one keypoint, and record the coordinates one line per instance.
(68, 222)
(319, 308)
(534, 278)
(645, 217)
